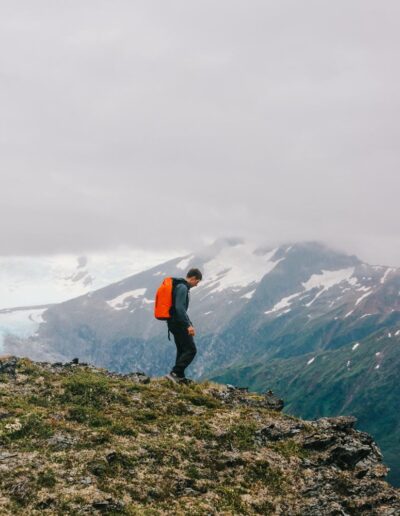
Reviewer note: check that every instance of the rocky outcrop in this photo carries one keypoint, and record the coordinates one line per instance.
(75, 439)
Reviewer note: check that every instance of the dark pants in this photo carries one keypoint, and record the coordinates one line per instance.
(185, 348)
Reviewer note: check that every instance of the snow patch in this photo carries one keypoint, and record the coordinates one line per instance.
(327, 279)
(183, 264)
(311, 361)
(237, 266)
(355, 346)
(377, 366)
(283, 303)
(249, 295)
(397, 333)
(386, 274)
(120, 302)
(363, 296)
(210, 312)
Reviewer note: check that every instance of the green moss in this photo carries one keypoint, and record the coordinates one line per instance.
(89, 389)
(261, 470)
(178, 408)
(114, 465)
(193, 472)
(99, 438)
(133, 387)
(21, 490)
(199, 428)
(46, 478)
(88, 416)
(145, 415)
(202, 400)
(29, 368)
(123, 429)
(289, 449)
(33, 426)
(39, 401)
(264, 507)
(240, 436)
(229, 499)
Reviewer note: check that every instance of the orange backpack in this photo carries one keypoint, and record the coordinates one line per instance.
(164, 299)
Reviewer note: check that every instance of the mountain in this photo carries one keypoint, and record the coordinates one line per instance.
(286, 318)
(76, 439)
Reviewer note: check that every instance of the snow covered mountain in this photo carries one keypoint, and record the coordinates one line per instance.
(250, 300)
(293, 318)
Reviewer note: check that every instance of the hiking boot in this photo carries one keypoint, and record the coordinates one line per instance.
(175, 378)
(186, 381)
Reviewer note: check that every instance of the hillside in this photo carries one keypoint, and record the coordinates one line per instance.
(359, 378)
(76, 439)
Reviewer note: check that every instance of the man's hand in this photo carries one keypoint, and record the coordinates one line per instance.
(191, 331)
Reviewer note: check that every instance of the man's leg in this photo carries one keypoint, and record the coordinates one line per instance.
(186, 351)
(179, 349)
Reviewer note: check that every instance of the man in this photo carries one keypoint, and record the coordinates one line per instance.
(181, 326)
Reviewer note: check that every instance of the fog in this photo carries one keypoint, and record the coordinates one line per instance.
(163, 125)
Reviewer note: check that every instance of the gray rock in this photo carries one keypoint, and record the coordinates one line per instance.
(319, 442)
(341, 423)
(347, 456)
(8, 365)
(274, 432)
(61, 441)
(273, 402)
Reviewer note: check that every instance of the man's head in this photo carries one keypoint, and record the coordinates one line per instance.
(193, 277)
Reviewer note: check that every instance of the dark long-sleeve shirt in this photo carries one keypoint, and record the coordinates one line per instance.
(181, 304)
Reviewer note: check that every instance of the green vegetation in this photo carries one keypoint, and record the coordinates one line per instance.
(262, 471)
(240, 436)
(78, 440)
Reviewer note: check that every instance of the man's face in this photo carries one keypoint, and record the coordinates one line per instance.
(193, 282)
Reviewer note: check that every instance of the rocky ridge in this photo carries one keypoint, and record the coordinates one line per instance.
(76, 439)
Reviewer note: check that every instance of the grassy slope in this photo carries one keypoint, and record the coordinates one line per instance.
(78, 437)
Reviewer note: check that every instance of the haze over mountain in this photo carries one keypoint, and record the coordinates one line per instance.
(33, 283)
(278, 120)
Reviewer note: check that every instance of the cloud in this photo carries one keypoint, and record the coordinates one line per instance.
(162, 124)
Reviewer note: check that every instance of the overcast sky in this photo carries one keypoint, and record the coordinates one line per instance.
(165, 124)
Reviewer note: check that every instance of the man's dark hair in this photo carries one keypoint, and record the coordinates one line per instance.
(194, 273)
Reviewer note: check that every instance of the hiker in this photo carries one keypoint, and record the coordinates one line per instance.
(181, 326)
